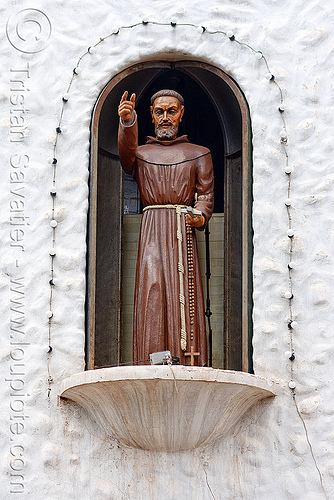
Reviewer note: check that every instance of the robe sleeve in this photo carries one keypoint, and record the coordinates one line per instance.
(127, 145)
(204, 187)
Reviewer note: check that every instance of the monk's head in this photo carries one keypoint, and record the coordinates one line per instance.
(167, 110)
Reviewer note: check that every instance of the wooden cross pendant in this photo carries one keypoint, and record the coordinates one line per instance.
(192, 355)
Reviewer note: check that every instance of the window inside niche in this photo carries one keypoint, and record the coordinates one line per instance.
(213, 118)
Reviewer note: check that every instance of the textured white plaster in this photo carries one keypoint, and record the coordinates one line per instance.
(267, 456)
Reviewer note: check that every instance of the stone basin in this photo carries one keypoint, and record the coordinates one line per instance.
(166, 408)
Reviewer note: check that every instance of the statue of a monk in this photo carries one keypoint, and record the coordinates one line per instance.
(173, 175)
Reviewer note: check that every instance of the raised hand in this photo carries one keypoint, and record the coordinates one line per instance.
(126, 108)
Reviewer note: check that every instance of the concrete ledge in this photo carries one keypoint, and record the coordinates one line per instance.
(165, 408)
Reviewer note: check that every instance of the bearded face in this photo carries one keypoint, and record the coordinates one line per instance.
(166, 131)
(166, 113)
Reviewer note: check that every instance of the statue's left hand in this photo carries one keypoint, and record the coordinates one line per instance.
(197, 221)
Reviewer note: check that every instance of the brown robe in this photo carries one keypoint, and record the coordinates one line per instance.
(167, 172)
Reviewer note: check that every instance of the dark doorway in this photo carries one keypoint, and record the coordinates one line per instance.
(215, 117)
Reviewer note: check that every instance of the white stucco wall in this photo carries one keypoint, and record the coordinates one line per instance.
(55, 446)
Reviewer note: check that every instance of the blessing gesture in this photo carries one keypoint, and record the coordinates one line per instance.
(126, 108)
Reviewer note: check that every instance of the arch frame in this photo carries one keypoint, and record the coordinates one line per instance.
(246, 229)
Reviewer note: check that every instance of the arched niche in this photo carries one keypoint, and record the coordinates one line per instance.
(216, 117)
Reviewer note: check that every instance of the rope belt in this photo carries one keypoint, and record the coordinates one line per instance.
(179, 209)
